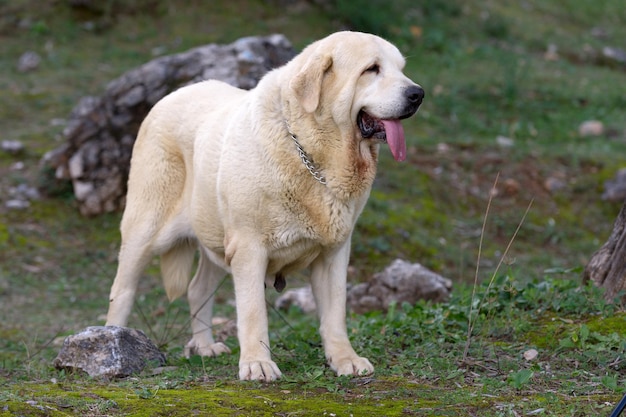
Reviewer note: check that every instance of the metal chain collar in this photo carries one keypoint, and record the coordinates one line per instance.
(307, 161)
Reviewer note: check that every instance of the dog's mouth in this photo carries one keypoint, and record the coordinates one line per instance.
(390, 131)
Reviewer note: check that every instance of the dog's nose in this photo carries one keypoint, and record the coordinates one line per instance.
(415, 95)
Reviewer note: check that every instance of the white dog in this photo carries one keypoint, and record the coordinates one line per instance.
(263, 183)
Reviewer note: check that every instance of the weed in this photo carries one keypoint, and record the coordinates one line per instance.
(520, 378)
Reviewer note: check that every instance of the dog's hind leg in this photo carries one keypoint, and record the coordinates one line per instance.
(201, 295)
(135, 254)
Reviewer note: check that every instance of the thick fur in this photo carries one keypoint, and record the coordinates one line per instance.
(215, 168)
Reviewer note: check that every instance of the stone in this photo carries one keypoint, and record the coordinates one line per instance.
(109, 352)
(591, 128)
(400, 282)
(552, 53)
(510, 187)
(12, 147)
(24, 192)
(615, 189)
(555, 183)
(614, 56)
(28, 61)
(100, 133)
(505, 142)
(17, 204)
(531, 354)
(298, 297)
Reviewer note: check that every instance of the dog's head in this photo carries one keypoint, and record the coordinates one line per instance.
(357, 79)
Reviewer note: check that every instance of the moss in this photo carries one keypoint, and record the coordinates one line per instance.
(548, 331)
(4, 235)
(608, 325)
(166, 397)
(206, 399)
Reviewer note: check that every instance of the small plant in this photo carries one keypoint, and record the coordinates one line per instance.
(520, 378)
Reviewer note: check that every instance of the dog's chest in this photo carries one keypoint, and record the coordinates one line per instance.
(314, 222)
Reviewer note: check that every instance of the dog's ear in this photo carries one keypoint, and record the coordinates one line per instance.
(307, 84)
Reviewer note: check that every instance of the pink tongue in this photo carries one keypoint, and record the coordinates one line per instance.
(395, 138)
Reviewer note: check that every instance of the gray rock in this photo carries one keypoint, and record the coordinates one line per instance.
(400, 282)
(108, 351)
(614, 55)
(28, 61)
(12, 146)
(17, 204)
(299, 297)
(24, 192)
(615, 189)
(101, 131)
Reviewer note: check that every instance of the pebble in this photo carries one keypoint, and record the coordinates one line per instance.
(531, 354)
(591, 128)
(29, 61)
(24, 192)
(12, 146)
(505, 142)
(16, 204)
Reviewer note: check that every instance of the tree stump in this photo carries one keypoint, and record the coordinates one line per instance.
(607, 267)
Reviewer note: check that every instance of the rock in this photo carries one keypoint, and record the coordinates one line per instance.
(21, 196)
(505, 142)
(299, 297)
(614, 56)
(101, 131)
(615, 189)
(17, 204)
(13, 147)
(29, 61)
(400, 282)
(551, 53)
(24, 192)
(531, 354)
(17, 166)
(510, 187)
(110, 352)
(591, 128)
(224, 328)
(555, 183)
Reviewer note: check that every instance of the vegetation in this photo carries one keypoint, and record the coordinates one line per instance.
(527, 72)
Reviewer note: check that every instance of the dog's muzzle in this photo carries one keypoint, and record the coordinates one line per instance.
(391, 130)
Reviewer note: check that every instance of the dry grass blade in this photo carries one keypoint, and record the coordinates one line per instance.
(473, 315)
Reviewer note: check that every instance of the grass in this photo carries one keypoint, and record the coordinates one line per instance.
(484, 69)
(419, 357)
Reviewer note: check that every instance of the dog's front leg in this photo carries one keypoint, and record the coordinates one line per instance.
(248, 266)
(328, 281)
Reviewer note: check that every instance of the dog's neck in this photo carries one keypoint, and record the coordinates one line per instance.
(306, 159)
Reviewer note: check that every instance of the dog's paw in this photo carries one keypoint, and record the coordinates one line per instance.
(357, 366)
(259, 371)
(213, 349)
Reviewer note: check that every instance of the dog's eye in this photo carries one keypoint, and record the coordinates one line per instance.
(375, 68)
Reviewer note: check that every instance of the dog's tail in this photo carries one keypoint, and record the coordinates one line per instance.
(176, 266)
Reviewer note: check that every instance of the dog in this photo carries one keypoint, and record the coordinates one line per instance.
(263, 183)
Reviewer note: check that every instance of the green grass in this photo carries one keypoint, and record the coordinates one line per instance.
(418, 352)
(483, 67)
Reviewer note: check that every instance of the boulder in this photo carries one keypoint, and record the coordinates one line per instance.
(400, 282)
(108, 351)
(299, 297)
(101, 131)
